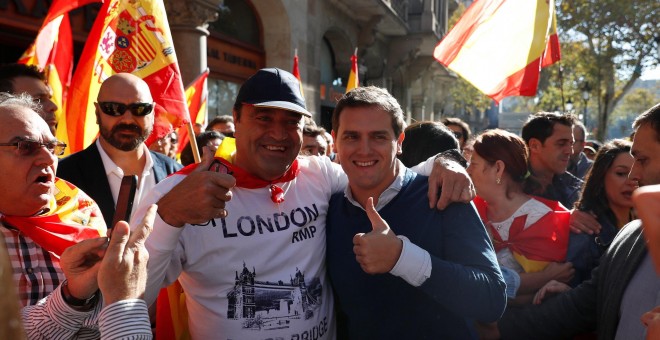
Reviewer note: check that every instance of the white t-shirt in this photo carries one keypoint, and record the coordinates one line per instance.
(260, 273)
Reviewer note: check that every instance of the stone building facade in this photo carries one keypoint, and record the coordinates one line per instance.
(233, 38)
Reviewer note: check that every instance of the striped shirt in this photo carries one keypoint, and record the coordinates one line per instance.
(52, 318)
(38, 275)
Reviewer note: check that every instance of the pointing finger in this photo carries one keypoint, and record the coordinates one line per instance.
(140, 234)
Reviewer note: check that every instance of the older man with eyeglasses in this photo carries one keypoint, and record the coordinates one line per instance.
(125, 114)
(53, 233)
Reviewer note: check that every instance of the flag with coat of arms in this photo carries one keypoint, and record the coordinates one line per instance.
(131, 36)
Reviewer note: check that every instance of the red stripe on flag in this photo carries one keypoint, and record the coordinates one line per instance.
(552, 52)
(521, 83)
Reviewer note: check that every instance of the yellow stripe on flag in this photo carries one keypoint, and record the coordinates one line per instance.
(496, 40)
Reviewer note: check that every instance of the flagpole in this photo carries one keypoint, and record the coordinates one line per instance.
(561, 86)
(191, 132)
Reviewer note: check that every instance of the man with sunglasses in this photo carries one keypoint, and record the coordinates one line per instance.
(125, 114)
(257, 269)
(20, 78)
(51, 232)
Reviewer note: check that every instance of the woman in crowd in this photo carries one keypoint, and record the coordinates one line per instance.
(606, 194)
(530, 234)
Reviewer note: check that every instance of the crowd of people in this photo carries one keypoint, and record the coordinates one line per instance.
(374, 230)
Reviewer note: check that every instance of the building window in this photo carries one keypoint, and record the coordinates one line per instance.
(237, 20)
(222, 95)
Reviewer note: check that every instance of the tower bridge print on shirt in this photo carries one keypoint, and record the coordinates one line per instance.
(266, 305)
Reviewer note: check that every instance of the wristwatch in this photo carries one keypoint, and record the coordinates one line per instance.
(80, 304)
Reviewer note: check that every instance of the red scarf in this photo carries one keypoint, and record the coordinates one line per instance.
(71, 217)
(247, 180)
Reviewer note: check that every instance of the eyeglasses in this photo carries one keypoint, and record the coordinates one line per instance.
(30, 147)
(118, 109)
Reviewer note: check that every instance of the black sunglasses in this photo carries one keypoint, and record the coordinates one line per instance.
(30, 147)
(118, 109)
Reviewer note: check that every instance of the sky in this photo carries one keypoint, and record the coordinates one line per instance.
(651, 74)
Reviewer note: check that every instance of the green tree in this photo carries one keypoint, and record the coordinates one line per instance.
(615, 41)
(635, 102)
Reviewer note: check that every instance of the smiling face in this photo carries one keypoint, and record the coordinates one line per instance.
(553, 154)
(618, 187)
(367, 147)
(29, 186)
(267, 140)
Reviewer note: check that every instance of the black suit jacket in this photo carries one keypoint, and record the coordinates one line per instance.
(85, 170)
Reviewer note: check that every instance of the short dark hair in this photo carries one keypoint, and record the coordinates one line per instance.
(202, 139)
(650, 116)
(425, 139)
(224, 119)
(541, 124)
(10, 71)
(370, 96)
(465, 128)
(313, 131)
(593, 197)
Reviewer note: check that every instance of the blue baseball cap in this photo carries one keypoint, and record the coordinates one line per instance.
(274, 88)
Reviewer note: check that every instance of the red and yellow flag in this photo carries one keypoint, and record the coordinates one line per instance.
(536, 245)
(52, 51)
(353, 77)
(500, 46)
(296, 72)
(72, 217)
(132, 37)
(196, 99)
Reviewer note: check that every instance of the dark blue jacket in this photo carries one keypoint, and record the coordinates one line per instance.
(465, 284)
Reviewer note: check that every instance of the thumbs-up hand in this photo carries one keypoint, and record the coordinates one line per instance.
(377, 251)
(200, 197)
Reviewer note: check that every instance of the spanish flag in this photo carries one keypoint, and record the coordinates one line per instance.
(353, 77)
(296, 72)
(534, 247)
(52, 52)
(132, 37)
(196, 99)
(500, 46)
(71, 217)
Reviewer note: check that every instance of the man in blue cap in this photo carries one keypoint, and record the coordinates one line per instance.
(258, 272)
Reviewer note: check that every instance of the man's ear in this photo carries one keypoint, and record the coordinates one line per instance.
(236, 122)
(334, 141)
(534, 145)
(399, 143)
(96, 112)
